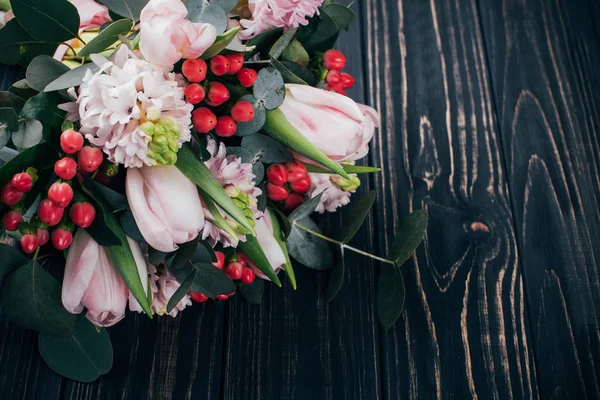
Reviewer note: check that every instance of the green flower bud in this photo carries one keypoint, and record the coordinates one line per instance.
(232, 191)
(163, 146)
(347, 185)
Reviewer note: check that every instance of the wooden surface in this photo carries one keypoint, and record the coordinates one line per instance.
(490, 117)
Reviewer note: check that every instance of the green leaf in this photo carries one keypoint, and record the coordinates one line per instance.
(9, 99)
(54, 21)
(130, 226)
(155, 257)
(269, 88)
(289, 76)
(253, 293)
(83, 356)
(342, 15)
(256, 124)
(11, 260)
(181, 291)
(71, 78)
(358, 213)
(251, 248)
(115, 200)
(9, 117)
(31, 297)
(4, 138)
(211, 281)
(198, 172)
(18, 47)
(184, 254)
(266, 149)
(43, 70)
(106, 38)
(282, 43)
(39, 157)
(277, 233)
(226, 5)
(336, 277)
(307, 249)
(126, 8)
(208, 13)
(320, 34)
(258, 169)
(101, 230)
(43, 107)
(296, 54)
(217, 218)
(223, 40)
(351, 169)
(286, 225)
(305, 209)
(390, 295)
(22, 90)
(408, 236)
(280, 129)
(29, 134)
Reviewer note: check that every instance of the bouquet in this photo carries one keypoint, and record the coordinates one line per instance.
(169, 153)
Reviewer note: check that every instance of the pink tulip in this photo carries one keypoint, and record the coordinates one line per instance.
(165, 205)
(91, 281)
(166, 36)
(269, 245)
(335, 124)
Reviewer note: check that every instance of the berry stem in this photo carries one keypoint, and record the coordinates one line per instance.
(343, 245)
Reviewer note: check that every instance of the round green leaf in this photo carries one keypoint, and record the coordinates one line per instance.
(18, 47)
(253, 293)
(307, 249)
(43, 70)
(211, 281)
(390, 295)
(9, 118)
(83, 356)
(54, 21)
(269, 88)
(28, 135)
(204, 12)
(266, 149)
(260, 116)
(126, 8)
(4, 136)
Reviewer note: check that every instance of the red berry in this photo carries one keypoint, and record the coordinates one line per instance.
(61, 238)
(66, 168)
(11, 220)
(194, 70)
(220, 260)
(49, 213)
(242, 111)
(276, 192)
(236, 63)
(301, 185)
(293, 201)
(43, 236)
(347, 80)
(70, 141)
(204, 120)
(194, 93)
(296, 170)
(248, 276)
(60, 194)
(334, 59)
(219, 65)
(234, 270)
(90, 158)
(336, 88)
(217, 94)
(10, 196)
(222, 296)
(277, 174)
(334, 77)
(198, 297)
(242, 259)
(247, 77)
(29, 243)
(22, 181)
(226, 126)
(82, 214)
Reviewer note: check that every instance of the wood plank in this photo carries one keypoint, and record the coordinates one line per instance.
(464, 332)
(295, 345)
(548, 116)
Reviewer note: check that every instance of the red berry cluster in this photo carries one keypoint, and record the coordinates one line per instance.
(215, 95)
(288, 183)
(335, 61)
(238, 268)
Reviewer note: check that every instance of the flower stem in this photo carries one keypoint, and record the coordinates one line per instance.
(345, 246)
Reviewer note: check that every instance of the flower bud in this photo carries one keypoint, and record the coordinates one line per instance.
(347, 185)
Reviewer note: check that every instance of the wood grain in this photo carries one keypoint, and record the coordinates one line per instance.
(549, 121)
(464, 332)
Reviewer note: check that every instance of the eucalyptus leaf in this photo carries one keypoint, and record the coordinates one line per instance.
(184, 254)
(11, 260)
(226, 5)
(309, 250)
(256, 124)
(266, 149)
(204, 12)
(306, 208)
(4, 139)
(130, 226)
(83, 356)
(22, 89)
(54, 21)
(269, 88)
(409, 235)
(282, 43)
(9, 118)
(42, 70)
(43, 107)
(254, 292)
(390, 295)
(358, 213)
(29, 134)
(126, 8)
(336, 277)
(71, 78)
(211, 281)
(18, 47)
(31, 297)
(106, 38)
(289, 76)
(342, 15)
(181, 291)
(9, 99)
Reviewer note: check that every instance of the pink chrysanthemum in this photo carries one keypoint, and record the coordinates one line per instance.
(333, 196)
(166, 285)
(114, 103)
(269, 14)
(229, 171)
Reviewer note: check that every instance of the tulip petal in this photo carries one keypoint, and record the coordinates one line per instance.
(268, 243)
(82, 261)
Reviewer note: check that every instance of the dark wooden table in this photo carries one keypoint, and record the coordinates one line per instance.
(490, 120)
